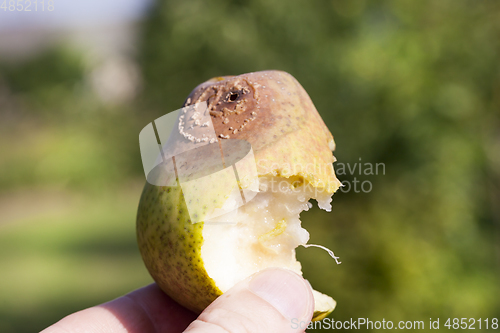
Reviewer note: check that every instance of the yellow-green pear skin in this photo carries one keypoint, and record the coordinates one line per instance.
(170, 246)
(275, 115)
(318, 315)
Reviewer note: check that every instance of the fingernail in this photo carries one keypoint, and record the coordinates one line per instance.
(284, 290)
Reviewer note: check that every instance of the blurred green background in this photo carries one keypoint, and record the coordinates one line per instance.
(413, 84)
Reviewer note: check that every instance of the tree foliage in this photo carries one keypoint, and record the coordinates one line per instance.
(411, 84)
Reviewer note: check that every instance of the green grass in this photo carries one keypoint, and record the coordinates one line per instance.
(72, 256)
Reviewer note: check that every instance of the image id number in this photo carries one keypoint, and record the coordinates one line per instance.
(27, 6)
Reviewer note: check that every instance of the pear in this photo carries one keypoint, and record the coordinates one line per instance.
(194, 263)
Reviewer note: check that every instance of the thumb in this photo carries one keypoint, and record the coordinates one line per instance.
(273, 300)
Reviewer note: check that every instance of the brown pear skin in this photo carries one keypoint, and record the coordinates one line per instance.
(271, 111)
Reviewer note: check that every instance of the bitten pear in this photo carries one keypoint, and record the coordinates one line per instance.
(194, 263)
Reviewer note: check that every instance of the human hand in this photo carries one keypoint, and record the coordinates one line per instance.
(264, 302)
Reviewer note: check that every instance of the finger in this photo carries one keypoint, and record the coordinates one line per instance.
(269, 301)
(146, 310)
